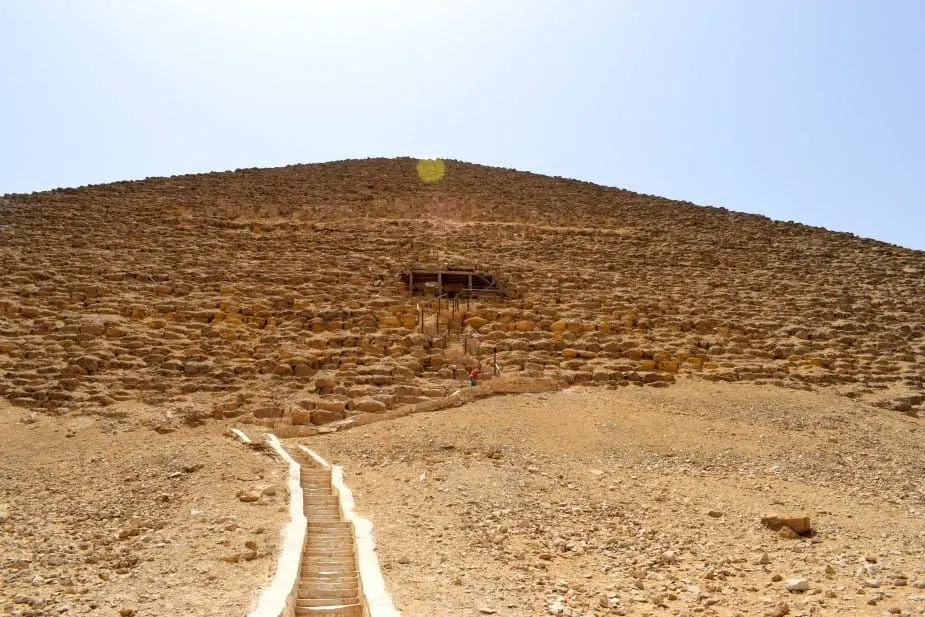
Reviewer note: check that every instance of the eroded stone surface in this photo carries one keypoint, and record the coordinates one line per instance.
(242, 294)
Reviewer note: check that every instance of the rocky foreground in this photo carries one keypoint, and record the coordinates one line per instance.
(101, 517)
(646, 502)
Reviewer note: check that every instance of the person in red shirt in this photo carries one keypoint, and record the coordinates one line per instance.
(474, 377)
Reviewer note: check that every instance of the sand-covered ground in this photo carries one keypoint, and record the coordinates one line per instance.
(103, 516)
(645, 501)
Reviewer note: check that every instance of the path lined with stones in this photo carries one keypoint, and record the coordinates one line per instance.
(271, 294)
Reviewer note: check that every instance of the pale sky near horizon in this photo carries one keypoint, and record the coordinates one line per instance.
(808, 110)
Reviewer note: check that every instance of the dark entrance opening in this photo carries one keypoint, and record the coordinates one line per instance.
(451, 282)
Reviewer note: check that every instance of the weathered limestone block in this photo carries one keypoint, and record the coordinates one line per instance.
(324, 384)
(92, 329)
(323, 416)
(300, 416)
(368, 405)
(270, 411)
(91, 364)
(302, 370)
(668, 366)
(334, 403)
(525, 325)
(283, 370)
(476, 323)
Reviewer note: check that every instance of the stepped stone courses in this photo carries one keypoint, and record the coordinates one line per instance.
(271, 295)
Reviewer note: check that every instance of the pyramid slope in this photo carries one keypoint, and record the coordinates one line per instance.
(263, 293)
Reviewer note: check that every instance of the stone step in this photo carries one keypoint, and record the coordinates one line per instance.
(346, 610)
(325, 541)
(338, 599)
(322, 547)
(346, 557)
(335, 574)
(333, 525)
(328, 551)
(314, 574)
(321, 574)
(321, 518)
(328, 563)
(327, 590)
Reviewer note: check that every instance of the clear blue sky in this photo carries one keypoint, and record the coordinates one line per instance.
(806, 110)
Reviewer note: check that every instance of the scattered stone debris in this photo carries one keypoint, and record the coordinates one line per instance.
(799, 525)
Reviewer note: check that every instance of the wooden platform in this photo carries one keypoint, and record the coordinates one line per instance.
(450, 283)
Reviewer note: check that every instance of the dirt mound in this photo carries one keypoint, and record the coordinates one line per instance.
(272, 295)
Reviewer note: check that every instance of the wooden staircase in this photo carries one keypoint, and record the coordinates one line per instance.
(328, 579)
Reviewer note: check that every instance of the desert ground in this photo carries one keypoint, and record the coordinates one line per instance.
(104, 516)
(644, 501)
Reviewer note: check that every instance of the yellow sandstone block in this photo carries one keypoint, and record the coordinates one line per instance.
(476, 322)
